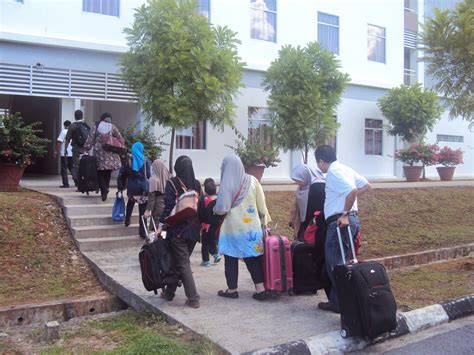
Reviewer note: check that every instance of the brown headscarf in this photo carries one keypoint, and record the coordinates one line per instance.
(159, 176)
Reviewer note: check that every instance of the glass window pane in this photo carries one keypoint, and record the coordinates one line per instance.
(328, 19)
(267, 5)
(262, 25)
(204, 8)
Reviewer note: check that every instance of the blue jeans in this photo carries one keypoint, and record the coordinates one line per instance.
(333, 252)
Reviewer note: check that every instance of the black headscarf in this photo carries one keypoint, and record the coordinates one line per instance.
(183, 168)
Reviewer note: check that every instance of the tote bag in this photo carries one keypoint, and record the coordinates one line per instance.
(118, 210)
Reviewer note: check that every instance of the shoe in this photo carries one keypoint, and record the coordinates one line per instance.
(103, 195)
(206, 264)
(64, 186)
(228, 294)
(127, 222)
(167, 295)
(217, 258)
(327, 306)
(260, 296)
(192, 304)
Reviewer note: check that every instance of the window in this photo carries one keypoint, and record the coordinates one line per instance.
(376, 43)
(263, 20)
(104, 7)
(373, 137)
(259, 125)
(193, 137)
(328, 32)
(204, 8)
(449, 138)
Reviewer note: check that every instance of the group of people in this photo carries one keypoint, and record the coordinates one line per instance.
(240, 206)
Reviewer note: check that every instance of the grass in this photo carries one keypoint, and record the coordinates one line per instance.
(400, 221)
(39, 259)
(423, 286)
(126, 333)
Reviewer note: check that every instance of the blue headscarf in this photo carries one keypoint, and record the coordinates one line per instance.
(138, 158)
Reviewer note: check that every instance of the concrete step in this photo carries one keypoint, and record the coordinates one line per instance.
(87, 200)
(92, 244)
(88, 210)
(105, 231)
(99, 220)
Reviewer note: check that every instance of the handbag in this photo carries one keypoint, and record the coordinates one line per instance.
(310, 231)
(185, 207)
(118, 210)
(112, 144)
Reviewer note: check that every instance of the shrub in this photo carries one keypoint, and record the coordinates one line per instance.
(152, 144)
(416, 153)
(449, 157)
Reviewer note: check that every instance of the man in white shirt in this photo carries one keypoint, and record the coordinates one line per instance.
(343, 185)
(66, 154)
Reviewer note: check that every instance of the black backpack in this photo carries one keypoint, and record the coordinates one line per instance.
(81, 132)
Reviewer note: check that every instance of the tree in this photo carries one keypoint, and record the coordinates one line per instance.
(305, 86)
(181, 70)
(447, 40)
(411, 111)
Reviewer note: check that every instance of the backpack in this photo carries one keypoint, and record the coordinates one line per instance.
(186, 206)
(81, 132)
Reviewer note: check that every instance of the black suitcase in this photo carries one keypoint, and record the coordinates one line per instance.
(156, 264)
(87, 176)
(309, 269)
(368, 308)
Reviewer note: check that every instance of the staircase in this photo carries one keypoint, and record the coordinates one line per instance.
(91, 224)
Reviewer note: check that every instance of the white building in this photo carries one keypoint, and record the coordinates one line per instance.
(60, 55)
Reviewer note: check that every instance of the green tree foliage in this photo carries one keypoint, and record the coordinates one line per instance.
(180, 68)
(20, 143)
(305, 87)
(447, 40)
(411, 111)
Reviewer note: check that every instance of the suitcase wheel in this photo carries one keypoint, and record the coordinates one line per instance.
(273, 294)
(344, 333)
(290, 292)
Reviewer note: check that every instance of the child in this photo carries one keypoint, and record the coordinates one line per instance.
(208, 240)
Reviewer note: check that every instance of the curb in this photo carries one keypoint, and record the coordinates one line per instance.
(407, 322)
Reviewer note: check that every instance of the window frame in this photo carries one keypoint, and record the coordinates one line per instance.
(193, 136)
(376, 37)
(321, 23)
(275, 12)
(259, 119)
(372, 131)
(101, 9)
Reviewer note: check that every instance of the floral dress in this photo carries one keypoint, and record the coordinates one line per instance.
(241, 233)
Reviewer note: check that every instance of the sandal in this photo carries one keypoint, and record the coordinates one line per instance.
(260, 296)
(228, 294)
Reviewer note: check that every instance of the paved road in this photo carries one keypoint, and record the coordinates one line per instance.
(455, 338)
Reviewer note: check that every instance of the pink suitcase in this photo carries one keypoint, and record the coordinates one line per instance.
(277, 265)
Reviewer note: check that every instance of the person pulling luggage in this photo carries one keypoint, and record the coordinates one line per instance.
(343, 185)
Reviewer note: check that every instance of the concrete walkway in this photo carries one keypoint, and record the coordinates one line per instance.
(238, 326)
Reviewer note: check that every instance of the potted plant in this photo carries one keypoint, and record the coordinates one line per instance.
(20, 144)
(449, 158)
(416, 153)
(255, 154)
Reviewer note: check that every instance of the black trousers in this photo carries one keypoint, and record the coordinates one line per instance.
(141, 212)
(254, 266)
(66, 164)
(104, 180)
(208, 245)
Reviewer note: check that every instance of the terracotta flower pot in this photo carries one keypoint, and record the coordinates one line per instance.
(255, 170)
(10, 175)
(446, 172)
(412, 173)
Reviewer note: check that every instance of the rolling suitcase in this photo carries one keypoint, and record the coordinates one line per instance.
(305, 269)
(277, 266)
(87, 176)
(368, 308)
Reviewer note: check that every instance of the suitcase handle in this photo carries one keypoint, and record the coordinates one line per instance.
(354, 260)
(144, 224)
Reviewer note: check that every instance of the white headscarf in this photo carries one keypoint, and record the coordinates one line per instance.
(233, 179)
(307, 175)
(105, 126)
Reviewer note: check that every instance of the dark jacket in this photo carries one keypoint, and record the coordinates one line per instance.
(189, 230)
(136, 182)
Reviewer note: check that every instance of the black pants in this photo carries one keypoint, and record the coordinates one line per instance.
(104, 180)
(66, 163)
(141, 212)
(209, 245)
(254, 266)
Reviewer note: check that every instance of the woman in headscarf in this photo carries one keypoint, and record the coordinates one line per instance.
(242, 201)
(134, 175)
(182, 238)
(106, 161)
(156, 196)
(305, 203)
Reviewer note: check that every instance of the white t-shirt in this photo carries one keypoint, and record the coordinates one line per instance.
(61, 138)
(340, 181)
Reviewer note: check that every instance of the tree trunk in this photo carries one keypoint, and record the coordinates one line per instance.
(305, 155)
(173, 133)
(424, 176)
